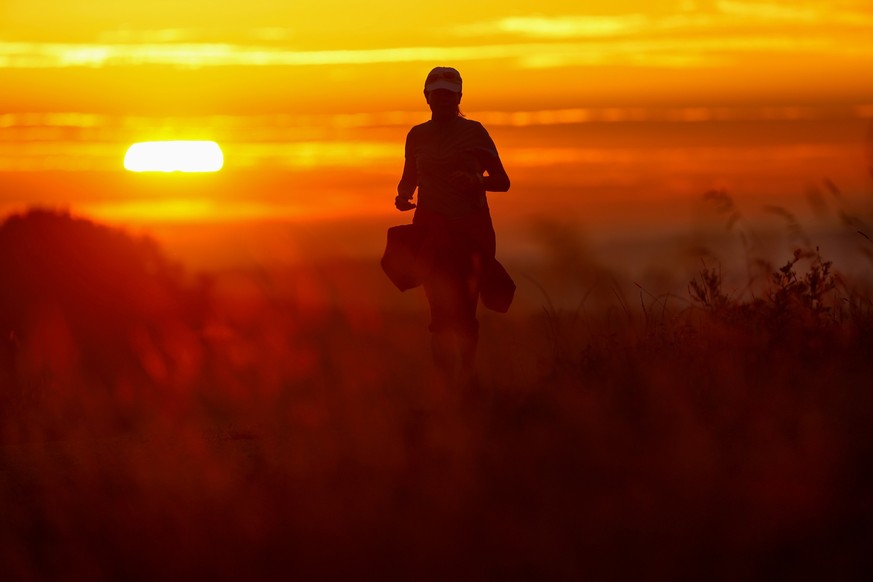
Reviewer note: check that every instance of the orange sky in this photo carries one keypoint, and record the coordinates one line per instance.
(625, 100)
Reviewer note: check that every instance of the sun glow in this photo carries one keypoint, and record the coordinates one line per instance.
(174, 156)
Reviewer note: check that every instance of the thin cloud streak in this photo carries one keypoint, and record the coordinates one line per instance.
(36, 142)
(383, 156)
(194, 35)
(272, 126)
(651, 52)
(729, 15)
(188, 210)
(558, 27)
(819, 13)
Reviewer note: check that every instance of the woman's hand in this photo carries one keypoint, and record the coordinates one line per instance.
(403, 204)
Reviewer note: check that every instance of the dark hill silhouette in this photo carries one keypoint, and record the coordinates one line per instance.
(95, 274)
(86, 307)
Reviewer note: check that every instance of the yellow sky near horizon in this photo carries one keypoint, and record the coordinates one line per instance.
(264, 55)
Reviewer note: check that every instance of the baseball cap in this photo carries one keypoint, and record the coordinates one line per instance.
(443, 78)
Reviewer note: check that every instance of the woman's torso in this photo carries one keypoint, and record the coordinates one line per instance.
(441, 148)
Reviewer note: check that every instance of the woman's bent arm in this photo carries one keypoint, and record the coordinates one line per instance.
(409, 179)
(496, 180)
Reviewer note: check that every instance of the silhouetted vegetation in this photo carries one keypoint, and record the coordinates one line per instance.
(252, 423)
(90, 316)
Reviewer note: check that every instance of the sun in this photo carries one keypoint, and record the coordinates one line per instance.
(174, 156)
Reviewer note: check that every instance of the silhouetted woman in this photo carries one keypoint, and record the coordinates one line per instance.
(453, 162)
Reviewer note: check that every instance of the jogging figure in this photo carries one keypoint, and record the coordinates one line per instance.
(452, 161)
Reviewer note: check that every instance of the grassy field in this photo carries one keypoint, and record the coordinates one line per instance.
(259, 423)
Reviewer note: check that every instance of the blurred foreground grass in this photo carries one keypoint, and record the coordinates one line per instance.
(267, 423)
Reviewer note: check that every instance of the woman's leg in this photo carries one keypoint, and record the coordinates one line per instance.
(468, 325)
(442, 297)
(453, 296)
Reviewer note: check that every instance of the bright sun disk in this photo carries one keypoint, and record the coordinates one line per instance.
(174, 156)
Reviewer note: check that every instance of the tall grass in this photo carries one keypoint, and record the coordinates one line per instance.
(271, 422)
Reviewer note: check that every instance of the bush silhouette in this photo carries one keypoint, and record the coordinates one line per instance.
(85, 308)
